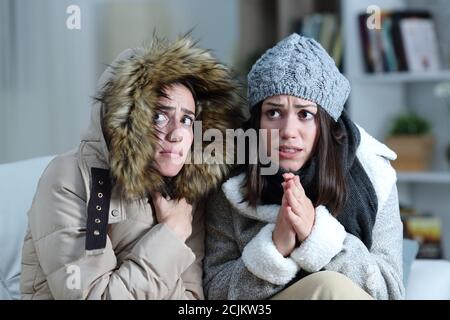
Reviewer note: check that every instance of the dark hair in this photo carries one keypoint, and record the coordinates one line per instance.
(331, 187)
(187, 82)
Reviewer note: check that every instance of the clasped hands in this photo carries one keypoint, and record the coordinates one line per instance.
(295, 218)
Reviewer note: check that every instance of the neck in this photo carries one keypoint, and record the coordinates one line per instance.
(272, 192)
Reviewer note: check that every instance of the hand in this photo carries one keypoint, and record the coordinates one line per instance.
(304, 213)
(284, 235)
(177, 215)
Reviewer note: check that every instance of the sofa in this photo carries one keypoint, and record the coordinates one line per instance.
(424, 279)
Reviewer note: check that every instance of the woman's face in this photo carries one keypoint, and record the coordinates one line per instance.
(295, 118)
(174, 120)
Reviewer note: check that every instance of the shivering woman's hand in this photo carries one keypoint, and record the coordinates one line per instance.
(176, 214)
(284, 235)
(302, 219)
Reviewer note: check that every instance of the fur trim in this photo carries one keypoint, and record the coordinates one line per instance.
(374, 157)
(263, 259)
(129, 100)
(324, 242)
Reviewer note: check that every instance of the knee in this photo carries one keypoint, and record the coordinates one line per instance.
(335, 285)
(331, 279)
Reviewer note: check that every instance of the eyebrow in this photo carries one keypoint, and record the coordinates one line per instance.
(169, 108)
(280, 105)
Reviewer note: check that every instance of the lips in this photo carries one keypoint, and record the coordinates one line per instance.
(289, 149)
(288, 152)
(171, 153)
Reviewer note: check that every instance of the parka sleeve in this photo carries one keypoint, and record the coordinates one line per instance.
(378, 271)
(154, 268)
(225, 274)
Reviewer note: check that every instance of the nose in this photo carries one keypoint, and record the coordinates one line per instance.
(290, 128)
(175, 133)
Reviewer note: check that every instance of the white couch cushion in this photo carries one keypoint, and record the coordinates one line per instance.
(429, 279)
(18, 183)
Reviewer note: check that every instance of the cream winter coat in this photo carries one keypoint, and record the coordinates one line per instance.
(63, 254)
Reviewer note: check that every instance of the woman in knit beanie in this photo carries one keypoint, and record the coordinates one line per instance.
(326, 225)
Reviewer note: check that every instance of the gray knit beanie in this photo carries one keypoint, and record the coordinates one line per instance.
(299, 66)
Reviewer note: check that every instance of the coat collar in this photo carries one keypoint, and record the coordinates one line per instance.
(233, 191)
(373, 155)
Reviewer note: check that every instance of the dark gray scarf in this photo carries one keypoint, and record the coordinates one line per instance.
(359, 211)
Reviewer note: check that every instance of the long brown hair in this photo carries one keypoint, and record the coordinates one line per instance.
(331, 186)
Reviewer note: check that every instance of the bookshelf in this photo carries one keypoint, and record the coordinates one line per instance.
(375, 98)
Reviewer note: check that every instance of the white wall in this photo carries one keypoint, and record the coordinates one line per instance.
(131, 23)
(48, 73)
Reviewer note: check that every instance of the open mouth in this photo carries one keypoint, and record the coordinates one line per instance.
(288, 151)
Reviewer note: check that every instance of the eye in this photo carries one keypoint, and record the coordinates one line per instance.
(160, 118)
(306, 115)
(273, 114)
(187, 121)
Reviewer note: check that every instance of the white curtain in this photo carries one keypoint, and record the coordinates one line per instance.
(47, 77)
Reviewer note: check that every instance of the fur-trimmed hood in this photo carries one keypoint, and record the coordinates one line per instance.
(127, 96)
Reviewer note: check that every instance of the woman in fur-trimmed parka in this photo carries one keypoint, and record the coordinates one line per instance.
(118, 217)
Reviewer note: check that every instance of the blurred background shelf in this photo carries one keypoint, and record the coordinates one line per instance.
(399, 77)
(439, 177)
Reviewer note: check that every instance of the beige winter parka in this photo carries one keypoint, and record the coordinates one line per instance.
(92, 233)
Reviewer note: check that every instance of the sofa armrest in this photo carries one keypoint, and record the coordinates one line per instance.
(18, 181)
(429, 279)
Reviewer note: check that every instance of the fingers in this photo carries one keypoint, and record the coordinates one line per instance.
(294, 220)
(292, 217)
(295, 195)
(156, 195)
(157, 198)
(293, 202)
(180, 204)
(284, 200)
(288, 175)
(298, 184)
(296, 192)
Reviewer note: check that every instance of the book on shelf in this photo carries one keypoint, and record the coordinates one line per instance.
(373, 47)
(426, 230)
(420, 43)
(388, 44)
(326, 29)
(406, 41)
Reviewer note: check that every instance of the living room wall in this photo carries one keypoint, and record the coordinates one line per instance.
(49, 71)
